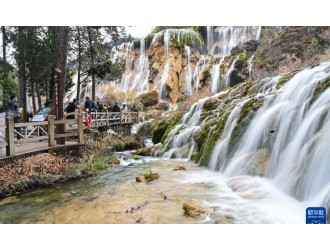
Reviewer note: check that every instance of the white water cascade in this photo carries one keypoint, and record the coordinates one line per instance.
(180, 139)
(227, 37)
(198, 69)
(291, 137)
(188, 78)
(228, 74)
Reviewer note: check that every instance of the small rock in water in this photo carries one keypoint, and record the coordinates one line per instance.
(272, 131)
(139, 179)
(179, 168)
(165, 197)
(89, 199)
(193, 210)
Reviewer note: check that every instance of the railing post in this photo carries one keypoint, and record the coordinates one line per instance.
(10, 149)
(96, 118)
(80, 126)
(51, 131)
(107, 116)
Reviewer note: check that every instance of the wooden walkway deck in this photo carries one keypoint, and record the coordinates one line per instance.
(42, 136)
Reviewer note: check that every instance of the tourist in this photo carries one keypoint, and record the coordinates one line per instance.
(124, 109)
(48, 103)
(88, 105)
(71, 108)
(12, 110)
(116, 108)
(99, 107)
(110, 108)
(88, 119)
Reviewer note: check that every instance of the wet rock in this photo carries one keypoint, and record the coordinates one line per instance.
(89, 199)
(179, 168)
(148, 99)
(143, 151)
(137, 208)
(151, 176)
(139, 179)
(162, 106)
(193, 210)
(236, 50)
(251, 45)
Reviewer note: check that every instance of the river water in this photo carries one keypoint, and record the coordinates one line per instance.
(116, 197)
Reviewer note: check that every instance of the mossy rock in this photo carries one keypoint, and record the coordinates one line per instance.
(211, 104)
(119, 145)
(193, 210)
(143, 152)
(174, 121)
(247, 113)
(132, 142)
(241, 61)
(150, 176)
(159, 131)
(284, 79)
(214, 134)
(320, 87)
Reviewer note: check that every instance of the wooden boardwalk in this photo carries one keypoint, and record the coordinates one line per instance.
(45, 135)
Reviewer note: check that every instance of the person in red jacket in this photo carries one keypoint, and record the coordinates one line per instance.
(88, 119)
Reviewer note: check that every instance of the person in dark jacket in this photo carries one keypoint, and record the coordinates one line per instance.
(71, 108)
(48, 103)
(110, 108)
(116, 108)
(88, 104)
(12, 110)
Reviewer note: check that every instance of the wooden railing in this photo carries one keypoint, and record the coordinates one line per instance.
(100, 119)
(38, 131)
(47, 130)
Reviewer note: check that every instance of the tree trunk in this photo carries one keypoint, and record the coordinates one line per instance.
(90, 39)
(62, 52)
(79, 67)
(38, 96)
(4, 44)
(33, 98)
(21, 70)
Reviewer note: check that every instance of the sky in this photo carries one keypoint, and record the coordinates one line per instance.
(138, 31)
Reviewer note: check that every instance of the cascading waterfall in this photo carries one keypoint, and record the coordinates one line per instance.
(209, 39)
(140, 83)
(293, 135)
(215, 77)
(183, 36)
(228, 74)
(226, 38)
(221, 149)
(198, 69)
(250, 63)
(181, 137)
(188, 78)
(220, 41)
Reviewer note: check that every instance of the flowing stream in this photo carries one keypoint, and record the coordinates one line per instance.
(115, 197)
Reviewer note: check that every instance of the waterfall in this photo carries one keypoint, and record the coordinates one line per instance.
(181, 139)
(227, 37)
(215, 78)
(258, 34)
(140, 82)
(198, 69)
(221, 149)
(228, 74)
(209, 39)
(250, 63)
(188, 78)
(291, 135)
